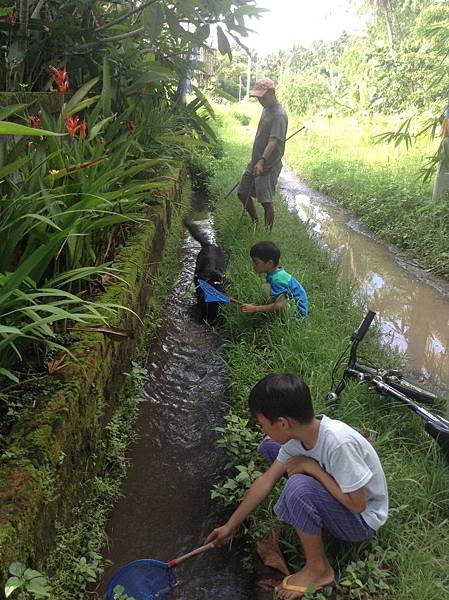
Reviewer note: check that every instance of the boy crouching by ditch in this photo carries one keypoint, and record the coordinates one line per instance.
(335, 479)
(283, 286)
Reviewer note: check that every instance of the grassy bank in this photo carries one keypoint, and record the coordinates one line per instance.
(378, 182)
(408, 559)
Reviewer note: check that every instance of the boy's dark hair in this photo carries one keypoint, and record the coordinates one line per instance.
(282, 395)
(266, 251)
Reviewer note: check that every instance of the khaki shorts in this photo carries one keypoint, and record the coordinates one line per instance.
(262, 187)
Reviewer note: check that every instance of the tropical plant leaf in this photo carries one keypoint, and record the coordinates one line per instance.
(96, 129)
(39, 587)
(106, 91)
(32, 574)
(82, 105)
(156, 74)
(114, 333)
(12, 584)
(153, 20)
(7, 111)
(80, 94)
(7, 373)
(223, 43)
(14, 166)
(7, 10)
(8, 128)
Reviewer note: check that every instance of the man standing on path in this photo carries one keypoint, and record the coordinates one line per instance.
(262, 172)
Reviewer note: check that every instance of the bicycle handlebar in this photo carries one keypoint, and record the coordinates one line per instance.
(358, 335)
(364, 326)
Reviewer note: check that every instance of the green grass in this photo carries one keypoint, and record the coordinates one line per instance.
(408, 558)
(378, 182)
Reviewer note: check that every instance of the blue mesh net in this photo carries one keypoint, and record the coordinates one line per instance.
(143, 580)
(211, 294)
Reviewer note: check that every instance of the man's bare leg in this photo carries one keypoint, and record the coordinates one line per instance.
(249, 205)
(269, 214)
(317, 571)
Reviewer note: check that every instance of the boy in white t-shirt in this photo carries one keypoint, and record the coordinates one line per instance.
(335, 479)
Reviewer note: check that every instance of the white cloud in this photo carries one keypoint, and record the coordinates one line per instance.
(301, 22)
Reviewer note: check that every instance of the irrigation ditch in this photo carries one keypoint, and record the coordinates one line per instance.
(165, 508)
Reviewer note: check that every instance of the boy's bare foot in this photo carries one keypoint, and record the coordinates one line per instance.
(295, 586)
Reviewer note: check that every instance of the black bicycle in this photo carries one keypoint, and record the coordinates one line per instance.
(390, 382)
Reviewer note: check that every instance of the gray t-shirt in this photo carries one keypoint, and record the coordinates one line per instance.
(351, 460)
(273, 123)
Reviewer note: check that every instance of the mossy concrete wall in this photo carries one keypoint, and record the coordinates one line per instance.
(56, 449)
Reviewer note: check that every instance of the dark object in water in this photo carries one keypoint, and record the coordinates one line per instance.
(210, 266)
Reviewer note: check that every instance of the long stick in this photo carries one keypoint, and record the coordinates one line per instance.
(290, 136)
(177, 561)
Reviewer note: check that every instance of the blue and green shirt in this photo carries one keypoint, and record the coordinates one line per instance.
(282, 282)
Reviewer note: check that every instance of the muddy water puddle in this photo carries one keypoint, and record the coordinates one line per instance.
(165, 509)
(413, 307)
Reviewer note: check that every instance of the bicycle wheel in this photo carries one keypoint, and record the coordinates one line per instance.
(410, 389)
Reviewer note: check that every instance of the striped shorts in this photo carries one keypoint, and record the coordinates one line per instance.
(307, 506)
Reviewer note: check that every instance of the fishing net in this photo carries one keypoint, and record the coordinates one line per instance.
(211, 294)
(142, 580)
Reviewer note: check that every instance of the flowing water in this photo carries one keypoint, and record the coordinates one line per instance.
(166, 510)
(412, 306)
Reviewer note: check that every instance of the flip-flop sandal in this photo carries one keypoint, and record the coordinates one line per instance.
(301, 589)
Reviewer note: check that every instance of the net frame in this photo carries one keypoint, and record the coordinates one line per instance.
(144, 579)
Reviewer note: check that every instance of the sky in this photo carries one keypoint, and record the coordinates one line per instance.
(300, 22)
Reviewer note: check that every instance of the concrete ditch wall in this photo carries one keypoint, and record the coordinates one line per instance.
(55, 449)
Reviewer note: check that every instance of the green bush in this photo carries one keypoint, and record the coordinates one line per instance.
(242, 118)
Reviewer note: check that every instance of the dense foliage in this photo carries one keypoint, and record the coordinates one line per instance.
(396, 65)
(77, 34)
(76, 179)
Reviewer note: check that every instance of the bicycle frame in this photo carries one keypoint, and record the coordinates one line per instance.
(435, 425)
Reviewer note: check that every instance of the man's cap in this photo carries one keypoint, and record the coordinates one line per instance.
(262, 86)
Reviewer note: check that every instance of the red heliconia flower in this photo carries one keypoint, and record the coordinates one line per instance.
(132, 128)
(61, 78)
(99, 19)
(83, 129)
(11, 18)
(35, 121)
(72, 125)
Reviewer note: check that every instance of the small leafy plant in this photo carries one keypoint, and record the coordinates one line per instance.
(27, 582)
(120, 594)
(365, 579)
